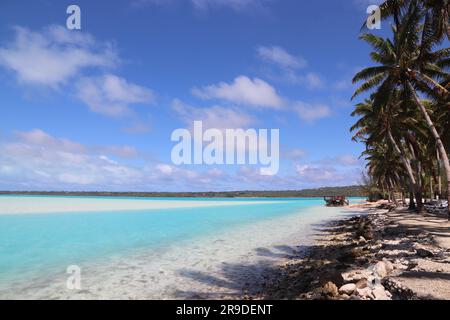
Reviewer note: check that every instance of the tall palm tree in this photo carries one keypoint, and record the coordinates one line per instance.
(409, 65)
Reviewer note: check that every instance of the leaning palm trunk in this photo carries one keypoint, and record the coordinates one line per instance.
(419, 182)
(431, 189)
(394, 199)
(412, 204)
(416, 190)
(439, 175)
(400, 182)
(439, 144)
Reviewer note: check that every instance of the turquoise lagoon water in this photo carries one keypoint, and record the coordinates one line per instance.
(39, 244)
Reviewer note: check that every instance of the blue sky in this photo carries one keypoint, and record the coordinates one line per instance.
(94, 109)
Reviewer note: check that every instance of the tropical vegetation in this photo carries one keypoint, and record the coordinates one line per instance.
(404, 116)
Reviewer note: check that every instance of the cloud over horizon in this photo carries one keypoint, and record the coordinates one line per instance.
(37, 160)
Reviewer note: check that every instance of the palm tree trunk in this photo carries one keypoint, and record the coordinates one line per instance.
(400, 182)
(402, 156)
(439, 144)
(416, 190)
(431, 189)
(419, 200)
(412, 204)
(420, 189)
(439, 174)
(393, 192)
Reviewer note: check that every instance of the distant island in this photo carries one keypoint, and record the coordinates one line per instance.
(348, 191)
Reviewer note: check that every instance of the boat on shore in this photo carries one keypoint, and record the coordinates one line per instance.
(336, 201)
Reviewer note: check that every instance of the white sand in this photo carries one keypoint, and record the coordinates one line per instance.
(36, 205)
(216, 266)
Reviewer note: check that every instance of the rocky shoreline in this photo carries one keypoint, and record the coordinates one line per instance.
(370, 256)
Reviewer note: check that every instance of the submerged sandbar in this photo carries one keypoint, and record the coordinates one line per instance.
(40, 205)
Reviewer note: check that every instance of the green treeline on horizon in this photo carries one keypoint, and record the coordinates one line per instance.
(347, 191)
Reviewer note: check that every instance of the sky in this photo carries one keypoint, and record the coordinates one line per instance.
(94, 109)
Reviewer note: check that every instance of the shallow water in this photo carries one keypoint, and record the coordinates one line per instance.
(151, 253)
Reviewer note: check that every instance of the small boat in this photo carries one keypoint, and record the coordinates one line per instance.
(336, 201)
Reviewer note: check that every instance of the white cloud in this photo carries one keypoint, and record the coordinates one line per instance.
(332, 171)
(36, 159)
(294, 154)
(40, 138)
(315, 174)
(319, 175)
(111, 95)
(56, 57)
(311, 112)
(213, 117)
(53, 56)
(118, 151)
(280, 57)
(165, 169)
(283, 66)
(313, 81)
(346, 160)
(310, 80)
(243, 91)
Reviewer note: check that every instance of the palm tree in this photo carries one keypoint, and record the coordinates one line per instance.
(389, 124)
(437, 11)
(408, 64)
